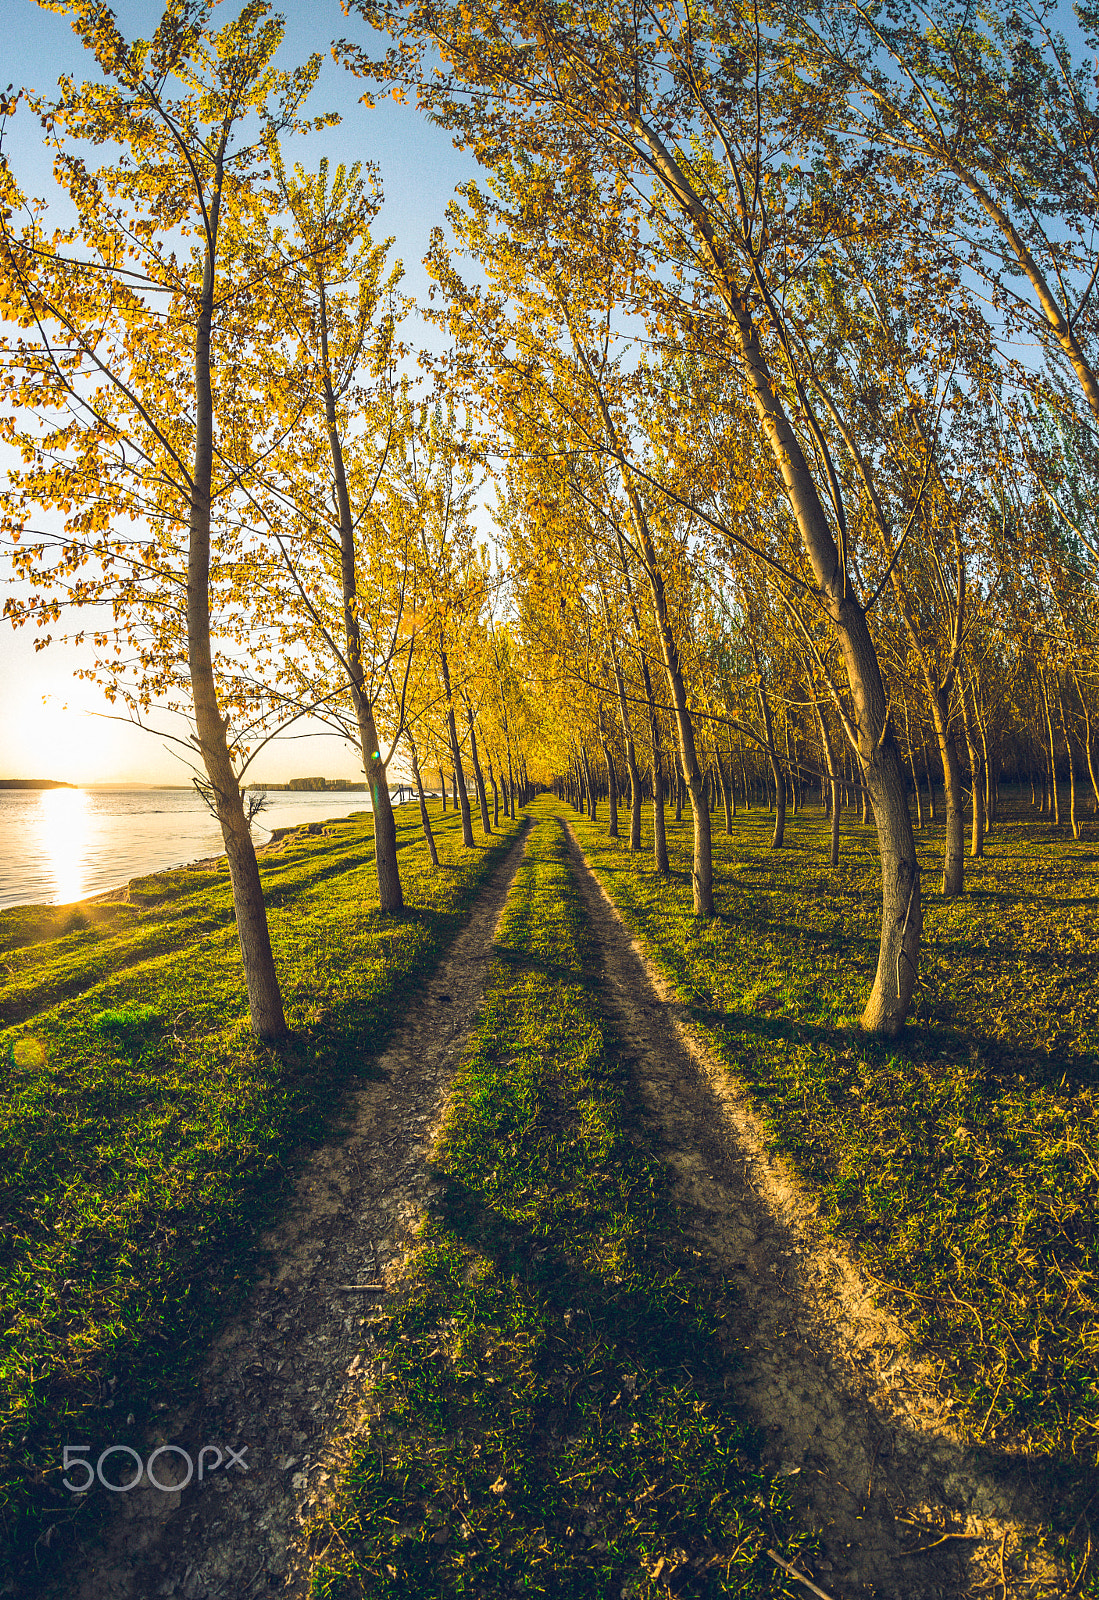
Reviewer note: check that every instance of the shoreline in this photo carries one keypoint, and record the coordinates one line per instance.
(119, 895)
(119, 891)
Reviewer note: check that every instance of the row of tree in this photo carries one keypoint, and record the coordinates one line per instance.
(771, 326)
(784, 316)
(214, 458)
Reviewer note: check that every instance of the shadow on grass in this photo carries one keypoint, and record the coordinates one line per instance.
(915, 1048)
(524, 961)
(176, 1296)
(634, 1313)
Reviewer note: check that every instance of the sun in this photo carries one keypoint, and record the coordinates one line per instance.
(64, 742)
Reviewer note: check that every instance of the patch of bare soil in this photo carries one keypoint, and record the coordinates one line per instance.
(904, 1504)
(285, 1382)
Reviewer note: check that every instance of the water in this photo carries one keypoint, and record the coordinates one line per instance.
(58, 845)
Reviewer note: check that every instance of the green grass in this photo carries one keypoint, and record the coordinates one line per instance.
(551, 1406)
(145, 1135)
(961, 1159)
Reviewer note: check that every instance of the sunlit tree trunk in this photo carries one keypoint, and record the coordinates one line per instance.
(1055, 797)
(1087, 738)
(833, 783)
(725, 779)
(911, 766)
(627, 735)
(425, 820)
(776, 770)
(1075, 826)
(478, 775)
(612, 779)
(954, 851)
(588, 784)
(495, 795)
(390, 894)
(902, 919)
(461, 798)
(660, 842)
(264, 999)
(976, 774)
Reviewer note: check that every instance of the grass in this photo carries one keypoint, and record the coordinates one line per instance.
(550, 1411)
(145, 1136)
(961, 1159)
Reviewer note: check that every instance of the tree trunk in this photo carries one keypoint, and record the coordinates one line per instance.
(776, 770)
(1075, 826)
(261, 981)
(612, 779)
(912, 768)
(976, 775)
(390, 894)
(990, 787)
(930, 785)
(660, 842)
(1087, 737)
(954, 852)
(1054, 795)
(442, 788)
(702, 870)
(791, 762)
(425, 820)
(833, 783)
(478, 775)
(627, 734)
(460, 796)
(726, 781)
(902, 919)
(495, 795)
(588, 781)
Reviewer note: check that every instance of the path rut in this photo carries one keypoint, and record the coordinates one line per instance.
(284, 1381)
(903, 1503)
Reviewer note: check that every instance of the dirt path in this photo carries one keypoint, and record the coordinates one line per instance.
(283, 1383)
(904, 1506)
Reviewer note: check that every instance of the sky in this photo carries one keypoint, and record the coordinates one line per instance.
(51, 725)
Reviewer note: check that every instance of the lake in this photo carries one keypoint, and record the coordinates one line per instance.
(58, 845)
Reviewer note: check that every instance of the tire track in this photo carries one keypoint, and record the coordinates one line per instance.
(903, 1504)
(286, 1379)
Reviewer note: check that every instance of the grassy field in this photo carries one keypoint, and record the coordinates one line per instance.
(962, 1159)
(145, 1136)
(552, 1412)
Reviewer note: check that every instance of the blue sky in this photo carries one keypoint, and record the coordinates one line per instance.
(420, 169)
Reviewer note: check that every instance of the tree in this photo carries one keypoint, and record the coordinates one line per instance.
(322, 494)
(132, 386)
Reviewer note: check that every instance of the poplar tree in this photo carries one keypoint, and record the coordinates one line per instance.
(133, 387)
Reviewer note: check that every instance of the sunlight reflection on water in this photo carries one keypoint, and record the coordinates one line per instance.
(58, 845)
(63, 840)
